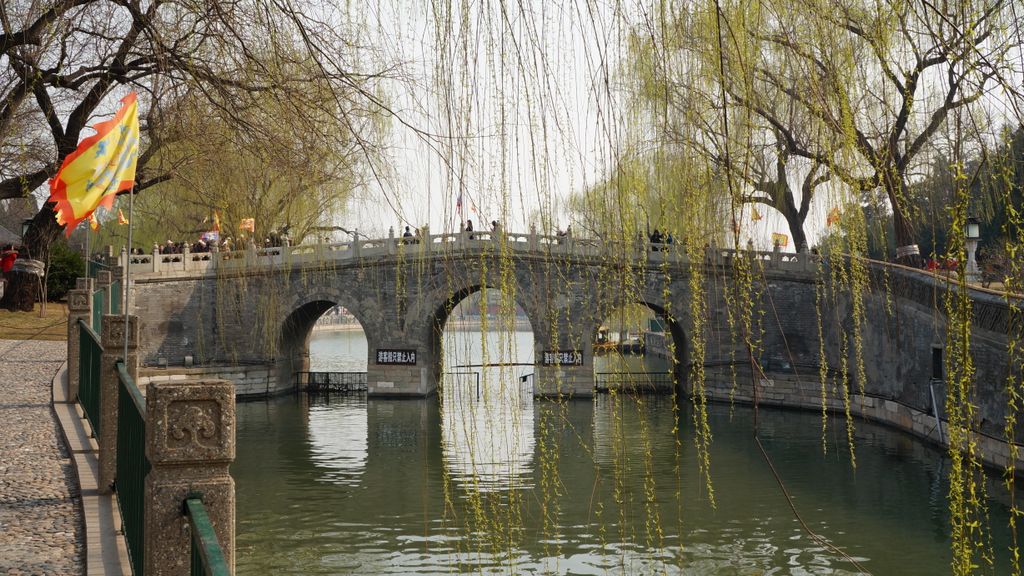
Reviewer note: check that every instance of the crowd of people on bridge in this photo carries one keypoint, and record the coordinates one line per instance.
(171, 247)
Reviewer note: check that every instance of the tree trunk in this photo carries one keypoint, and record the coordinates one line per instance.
(22, 290)
(796, 230)
(907, 252)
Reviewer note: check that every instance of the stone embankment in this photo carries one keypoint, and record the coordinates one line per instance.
(40, 509)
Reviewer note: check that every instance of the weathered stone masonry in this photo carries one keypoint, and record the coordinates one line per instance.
(259, 318)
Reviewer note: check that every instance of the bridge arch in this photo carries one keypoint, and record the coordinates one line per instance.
(671, 315)
(296, 328)
(442, 312)
(677, 346)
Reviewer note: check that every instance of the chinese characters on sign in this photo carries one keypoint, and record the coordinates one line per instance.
(400, 357)
(562, 357)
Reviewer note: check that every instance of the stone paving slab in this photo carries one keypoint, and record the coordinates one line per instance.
(40, 506)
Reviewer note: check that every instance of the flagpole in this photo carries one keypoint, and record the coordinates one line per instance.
(127, 270)
(88, 256)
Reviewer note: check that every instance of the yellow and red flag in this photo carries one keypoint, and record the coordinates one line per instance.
(755, 215)
(781, 239)
(93, 222)
(103, 165)
(120, 217)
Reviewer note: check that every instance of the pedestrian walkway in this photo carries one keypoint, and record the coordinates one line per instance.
(40, 512)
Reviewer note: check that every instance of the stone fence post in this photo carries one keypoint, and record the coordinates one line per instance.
(112, 339)
(79, 307)
(190, 442)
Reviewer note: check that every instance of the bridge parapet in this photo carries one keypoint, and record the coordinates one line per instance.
(447, 244)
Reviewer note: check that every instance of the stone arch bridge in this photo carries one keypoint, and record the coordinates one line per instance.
(251, 312)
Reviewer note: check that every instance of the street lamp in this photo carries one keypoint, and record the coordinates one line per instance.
(973, 235)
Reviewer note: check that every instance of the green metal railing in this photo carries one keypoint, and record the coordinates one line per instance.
(115, 297)
(89, 353)
(132, 464)
(98, 308)
(94, 268)
(634, 381)
(207, 554)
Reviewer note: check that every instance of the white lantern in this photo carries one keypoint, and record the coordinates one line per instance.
(973, 228)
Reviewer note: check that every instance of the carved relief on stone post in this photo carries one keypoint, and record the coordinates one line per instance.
(79, 302)
(190, 441)
(114, 333)
(193, 422)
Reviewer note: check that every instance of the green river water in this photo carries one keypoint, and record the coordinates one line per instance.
(502, 483)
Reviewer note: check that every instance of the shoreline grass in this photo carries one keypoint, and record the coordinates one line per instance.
(51, 326)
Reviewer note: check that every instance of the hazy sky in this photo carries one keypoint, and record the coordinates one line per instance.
(528, 108)
(511, 99)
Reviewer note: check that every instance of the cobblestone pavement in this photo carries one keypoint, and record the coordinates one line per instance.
(40, 507)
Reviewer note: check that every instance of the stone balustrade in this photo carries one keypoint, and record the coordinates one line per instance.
(189, 443)
(445, 244)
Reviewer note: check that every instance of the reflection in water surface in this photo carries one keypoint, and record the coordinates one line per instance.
(487, 439)
(487, 422)
(357, 486)
(337, 438)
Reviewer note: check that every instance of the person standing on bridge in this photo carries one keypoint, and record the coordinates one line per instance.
(469, 228)
(656, 239)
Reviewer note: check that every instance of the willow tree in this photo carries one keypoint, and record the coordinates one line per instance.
(673, 77)
(646, 192)
(64, 63)
(877, 80)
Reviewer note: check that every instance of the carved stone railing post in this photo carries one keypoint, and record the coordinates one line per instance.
(190, 442)
(79, 307)
(113, 338)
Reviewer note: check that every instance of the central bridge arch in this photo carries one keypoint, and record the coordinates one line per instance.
(441, 314)
(297, 328)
